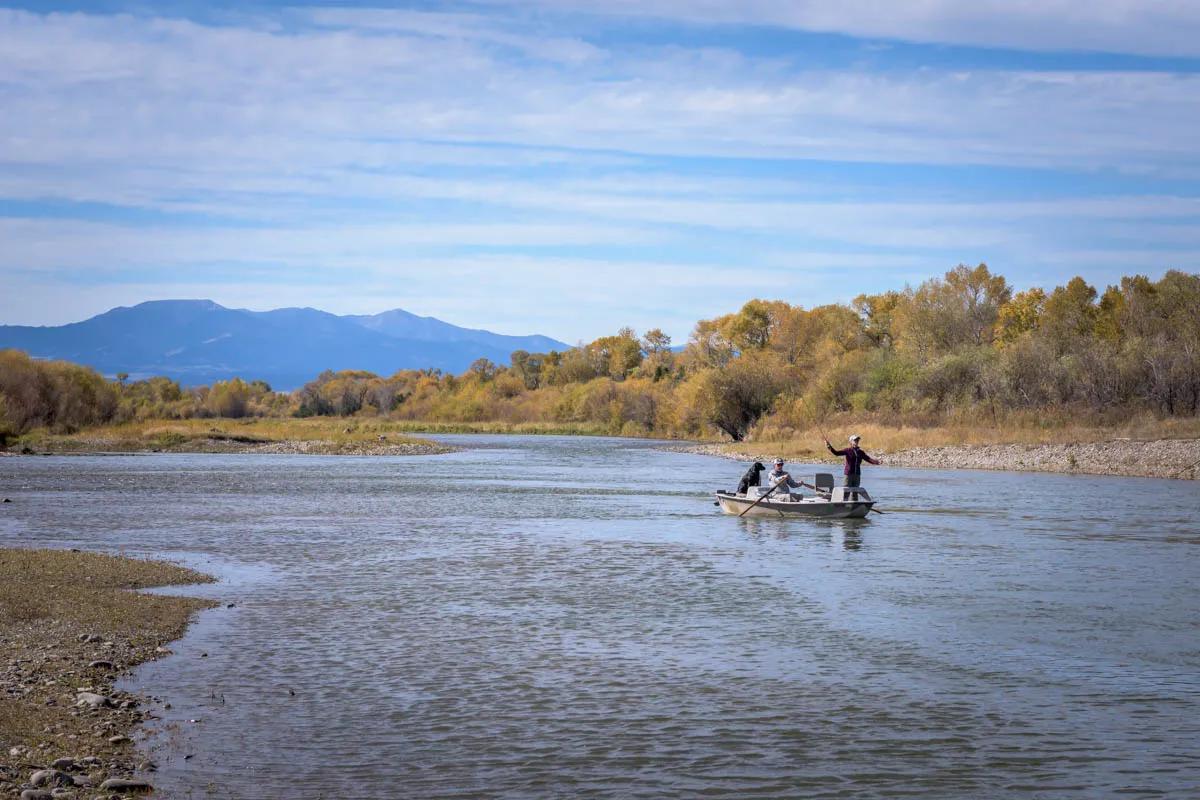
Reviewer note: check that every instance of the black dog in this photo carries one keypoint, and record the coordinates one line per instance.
(750, 478)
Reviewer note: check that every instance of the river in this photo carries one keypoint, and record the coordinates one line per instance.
(546, 617)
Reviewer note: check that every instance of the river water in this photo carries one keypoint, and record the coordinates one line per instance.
(544, 617)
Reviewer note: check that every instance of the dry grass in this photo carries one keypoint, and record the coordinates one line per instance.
(48, 600)
(183, 435)
(530, 428)
(334, 434)
(351, 435)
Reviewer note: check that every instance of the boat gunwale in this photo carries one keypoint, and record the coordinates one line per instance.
(794, 507)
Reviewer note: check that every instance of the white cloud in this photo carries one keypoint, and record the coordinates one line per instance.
(1144, 27)
(458, 26)
(94, 90)
(387, 146)
(358, 268)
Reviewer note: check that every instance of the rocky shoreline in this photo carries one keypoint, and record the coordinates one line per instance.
(1158, 458)
(69, 628)
(318, 447)
(314, 447)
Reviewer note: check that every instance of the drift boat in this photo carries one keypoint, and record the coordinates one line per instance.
(828, 501)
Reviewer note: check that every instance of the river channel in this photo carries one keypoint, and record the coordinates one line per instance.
(546, 617)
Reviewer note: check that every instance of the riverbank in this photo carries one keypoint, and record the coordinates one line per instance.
(69, 628)
(1154, 458)
(314, 436)
(1140, 447)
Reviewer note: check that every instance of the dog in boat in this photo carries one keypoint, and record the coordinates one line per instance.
(750, 478)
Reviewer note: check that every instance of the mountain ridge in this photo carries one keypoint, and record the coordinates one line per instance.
(200, 341)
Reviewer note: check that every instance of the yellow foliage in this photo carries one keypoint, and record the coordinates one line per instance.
(960, 347)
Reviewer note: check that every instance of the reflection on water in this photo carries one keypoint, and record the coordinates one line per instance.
(549, 617)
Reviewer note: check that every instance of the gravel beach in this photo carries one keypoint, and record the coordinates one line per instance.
(1160, 458)
(70, 626)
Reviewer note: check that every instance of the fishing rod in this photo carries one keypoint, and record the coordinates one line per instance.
(815, 419)
(1185, 469)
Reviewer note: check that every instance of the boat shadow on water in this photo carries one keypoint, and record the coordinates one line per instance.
(852, 530)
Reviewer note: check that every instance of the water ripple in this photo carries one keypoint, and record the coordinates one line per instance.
(550, 617)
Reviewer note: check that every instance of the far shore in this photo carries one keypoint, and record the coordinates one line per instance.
(1168, 449)
(1152, 458)
(265, 436)
(336, 436)
(70, 626)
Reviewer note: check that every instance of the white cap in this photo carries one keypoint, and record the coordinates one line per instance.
(779, 461)
(855, 438)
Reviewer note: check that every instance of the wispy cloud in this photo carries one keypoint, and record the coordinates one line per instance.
(508, 146)
(1145, 27)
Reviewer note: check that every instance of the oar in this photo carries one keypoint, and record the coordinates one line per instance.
(821, 492)
(765, 496)
(826, 494)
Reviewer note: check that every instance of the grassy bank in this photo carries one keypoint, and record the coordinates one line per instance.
(69, 626)
(322, 436)
(946, 445)
(312, 435)
(525, 428)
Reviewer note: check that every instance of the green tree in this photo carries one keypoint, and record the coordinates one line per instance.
(1069, 317)
(527, 367)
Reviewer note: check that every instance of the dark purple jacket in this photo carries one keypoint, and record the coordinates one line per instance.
(854, 458)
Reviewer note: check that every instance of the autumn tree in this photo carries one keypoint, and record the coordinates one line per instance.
(1020, 315)
(962, 308)
(655, 342)
(735, 397)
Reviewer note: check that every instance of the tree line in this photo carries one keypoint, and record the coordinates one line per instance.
(962, 347)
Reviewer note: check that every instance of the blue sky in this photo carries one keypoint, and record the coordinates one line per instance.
(568, 167)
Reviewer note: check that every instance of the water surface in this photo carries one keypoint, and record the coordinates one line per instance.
(548, 617)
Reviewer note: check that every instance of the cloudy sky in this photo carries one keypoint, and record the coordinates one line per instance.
(571, 166)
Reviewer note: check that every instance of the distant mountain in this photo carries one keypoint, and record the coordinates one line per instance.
(198, 342)
(401, 324)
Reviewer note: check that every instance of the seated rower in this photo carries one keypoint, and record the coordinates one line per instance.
(777, 475)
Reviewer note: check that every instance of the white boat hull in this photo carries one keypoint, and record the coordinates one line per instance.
(807, 507)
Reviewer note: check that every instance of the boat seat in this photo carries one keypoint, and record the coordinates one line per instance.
(824, 481)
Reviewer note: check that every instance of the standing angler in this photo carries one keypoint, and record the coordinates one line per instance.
(855, 455)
